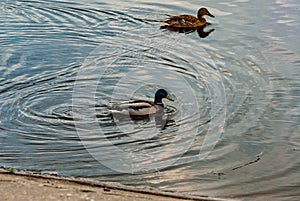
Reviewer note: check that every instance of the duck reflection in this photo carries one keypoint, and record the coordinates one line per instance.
(160, 119)
(200, 30)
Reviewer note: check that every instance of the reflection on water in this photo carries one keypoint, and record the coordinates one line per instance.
(232, 131)
(202, 33)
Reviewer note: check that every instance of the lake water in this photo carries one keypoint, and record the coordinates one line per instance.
(232, 131)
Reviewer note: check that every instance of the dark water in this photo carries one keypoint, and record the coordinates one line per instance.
(232, 131)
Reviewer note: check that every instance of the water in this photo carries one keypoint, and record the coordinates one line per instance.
(232, 131)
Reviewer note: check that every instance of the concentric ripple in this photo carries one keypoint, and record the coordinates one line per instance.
(132, 67)
(234, 121)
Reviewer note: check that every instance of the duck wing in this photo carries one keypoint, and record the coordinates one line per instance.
(187, 18)
(137, 104)
(135, 108)
(182, 18)
(182, 21)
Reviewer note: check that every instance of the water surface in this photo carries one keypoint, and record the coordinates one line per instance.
(232, 131)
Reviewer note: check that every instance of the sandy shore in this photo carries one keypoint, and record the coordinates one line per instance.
(28, 186)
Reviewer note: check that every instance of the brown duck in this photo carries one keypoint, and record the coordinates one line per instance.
(188, 21)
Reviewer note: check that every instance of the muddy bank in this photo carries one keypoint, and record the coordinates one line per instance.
(18, 185)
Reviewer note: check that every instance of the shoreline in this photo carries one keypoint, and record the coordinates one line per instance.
(20, 185)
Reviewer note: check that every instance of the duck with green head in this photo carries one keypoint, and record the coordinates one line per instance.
(188, 21)
(141, 108)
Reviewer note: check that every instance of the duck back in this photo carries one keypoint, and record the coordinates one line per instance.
(184, 21)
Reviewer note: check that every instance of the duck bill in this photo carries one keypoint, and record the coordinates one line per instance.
(169, 98)
(210, 15)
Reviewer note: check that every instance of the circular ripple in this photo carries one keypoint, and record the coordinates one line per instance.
(142, 64)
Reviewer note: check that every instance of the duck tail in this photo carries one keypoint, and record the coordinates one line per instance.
(169, 17)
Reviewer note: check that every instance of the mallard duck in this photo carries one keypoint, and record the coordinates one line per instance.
(188, 21)
(142, 107)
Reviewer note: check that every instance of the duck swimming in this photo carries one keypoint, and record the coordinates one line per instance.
(188, 21)
(139, 108)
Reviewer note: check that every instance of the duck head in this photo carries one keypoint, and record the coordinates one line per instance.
(160, 94)
(204, 11)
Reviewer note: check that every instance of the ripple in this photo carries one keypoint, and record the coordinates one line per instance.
(146, 67)
(39, 20)
(63, 64)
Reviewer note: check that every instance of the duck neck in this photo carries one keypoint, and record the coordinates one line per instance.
(158, 101)
(201, 18)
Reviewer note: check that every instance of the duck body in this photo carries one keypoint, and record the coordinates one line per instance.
(137, 108)
(188, 21)
(140, 108)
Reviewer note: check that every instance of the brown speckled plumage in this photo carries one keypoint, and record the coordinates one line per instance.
(188, 21)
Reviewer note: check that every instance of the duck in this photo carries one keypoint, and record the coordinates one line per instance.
(143, 108)
(188, 21)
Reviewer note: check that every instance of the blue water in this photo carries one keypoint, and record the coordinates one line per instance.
(232, 131)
